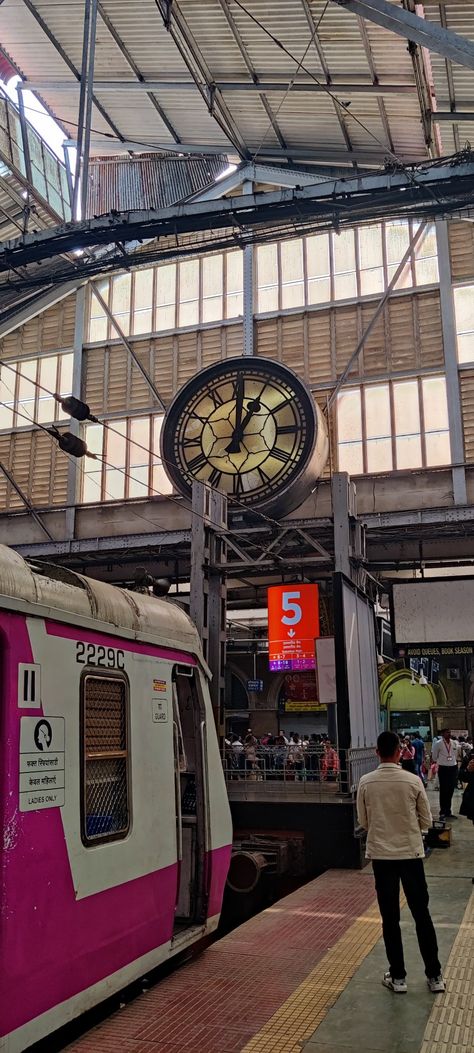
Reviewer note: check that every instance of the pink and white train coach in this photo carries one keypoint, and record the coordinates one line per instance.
(117, 830)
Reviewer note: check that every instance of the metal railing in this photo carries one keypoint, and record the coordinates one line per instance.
(312, 771)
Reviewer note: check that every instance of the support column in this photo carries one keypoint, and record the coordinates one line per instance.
(453, 391)
(24, 135)
(73, 473)
(248, 289)
(85, 108)
(208, 592)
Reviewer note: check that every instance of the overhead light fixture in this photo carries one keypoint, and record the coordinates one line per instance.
(423, 681)
(413, 681)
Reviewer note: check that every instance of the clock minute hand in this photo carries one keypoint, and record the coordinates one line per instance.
(237, 435)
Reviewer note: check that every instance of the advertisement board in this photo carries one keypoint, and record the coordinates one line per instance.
(293, 626)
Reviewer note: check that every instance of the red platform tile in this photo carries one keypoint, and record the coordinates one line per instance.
(219, 1000)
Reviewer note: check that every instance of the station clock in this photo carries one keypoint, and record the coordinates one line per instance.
(250, 428)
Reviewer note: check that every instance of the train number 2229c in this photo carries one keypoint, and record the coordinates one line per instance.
(93, 654)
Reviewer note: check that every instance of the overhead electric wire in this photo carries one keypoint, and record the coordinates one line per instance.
(292, 81)
(127, 474)
(92, 419)
(329, 91)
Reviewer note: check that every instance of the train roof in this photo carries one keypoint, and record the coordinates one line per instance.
(71, 597)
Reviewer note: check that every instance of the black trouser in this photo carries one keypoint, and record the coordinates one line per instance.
(388, 873)
(448, 778)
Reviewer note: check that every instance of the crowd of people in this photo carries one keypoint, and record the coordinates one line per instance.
(448, 764)
(281, 756)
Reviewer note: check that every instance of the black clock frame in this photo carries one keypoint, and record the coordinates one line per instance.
(311, 458)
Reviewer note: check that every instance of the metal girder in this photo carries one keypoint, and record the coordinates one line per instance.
(455, 116)
(254, 217)
(274, 82)
(58, 47)
(419, 30)
(295, 153)
(133, 66)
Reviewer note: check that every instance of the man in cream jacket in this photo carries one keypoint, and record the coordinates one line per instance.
(393, 807)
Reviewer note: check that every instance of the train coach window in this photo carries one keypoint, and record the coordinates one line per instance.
(105, 810)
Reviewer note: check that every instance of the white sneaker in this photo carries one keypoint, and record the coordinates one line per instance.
(436, 984)
(397, 986)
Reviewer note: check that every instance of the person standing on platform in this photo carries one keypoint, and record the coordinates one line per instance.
(419, 747)
(444, 754)
(393, 807)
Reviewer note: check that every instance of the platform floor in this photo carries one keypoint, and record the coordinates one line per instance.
(305, 976)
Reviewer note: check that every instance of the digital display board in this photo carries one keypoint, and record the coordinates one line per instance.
(293, 626)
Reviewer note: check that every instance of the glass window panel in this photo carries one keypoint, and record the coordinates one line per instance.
(291, 256)
(371, 281)
(319, 290)
(98, 322)
(438, 448)
(165, 318)
(350, 458)
(379, 455)
(212, 275)
(466, 347)
(267, 275)
(116, 444)
(121, 291)
(407, 409)
(138, 485)
(160, 481)
(345, 286)
(427, 246)
(268, 299)
(426, 271)
(408, 451)
(212, 309)
(397, 240)
(47, 409)
(343, 247)
(64, 382)
(48, 372)
(405, 280)
(234, 283)
(317, 256)
(143, 322)
(377, 412)
(92, 486)
(435, 404)
(26, 389)
(292, 294)
(370, 247)
(114, 484)
(139, 434)
(143, 289)
(464, 308)
(166, 284)
(189, 292)
(349, 416)
(6, 417)
(94, 436)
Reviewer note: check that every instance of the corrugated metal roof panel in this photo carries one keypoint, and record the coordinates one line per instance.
(148, 182)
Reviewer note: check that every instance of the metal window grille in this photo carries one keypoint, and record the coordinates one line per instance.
(105, 796)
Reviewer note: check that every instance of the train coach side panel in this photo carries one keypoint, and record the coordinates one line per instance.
(74, 914)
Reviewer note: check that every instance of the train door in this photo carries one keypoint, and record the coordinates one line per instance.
(190, 763)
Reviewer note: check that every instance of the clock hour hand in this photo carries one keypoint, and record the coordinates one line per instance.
(237, 434)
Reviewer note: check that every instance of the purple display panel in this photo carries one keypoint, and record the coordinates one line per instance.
(291, 664)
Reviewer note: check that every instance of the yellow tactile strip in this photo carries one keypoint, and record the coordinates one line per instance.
(300, 1016)
(450, 1028)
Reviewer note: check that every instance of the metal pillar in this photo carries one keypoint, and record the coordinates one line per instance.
(208, 591)
(343, 507)
(85, 108)
(453, 392)
(24, 136)
(73, 472)
(248, 288)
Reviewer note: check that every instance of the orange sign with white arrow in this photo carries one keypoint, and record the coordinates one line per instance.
(293, 626)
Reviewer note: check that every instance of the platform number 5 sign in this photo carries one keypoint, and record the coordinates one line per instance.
(293, 626)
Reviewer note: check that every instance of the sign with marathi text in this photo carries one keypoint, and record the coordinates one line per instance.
(293, 626)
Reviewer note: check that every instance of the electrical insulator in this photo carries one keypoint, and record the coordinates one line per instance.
(71, 444)
(75, 408)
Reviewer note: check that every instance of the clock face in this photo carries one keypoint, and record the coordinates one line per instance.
(247, 427)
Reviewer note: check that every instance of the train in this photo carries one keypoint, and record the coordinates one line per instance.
(117, 829)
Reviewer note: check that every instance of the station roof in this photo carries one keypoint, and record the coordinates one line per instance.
(299, 81)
